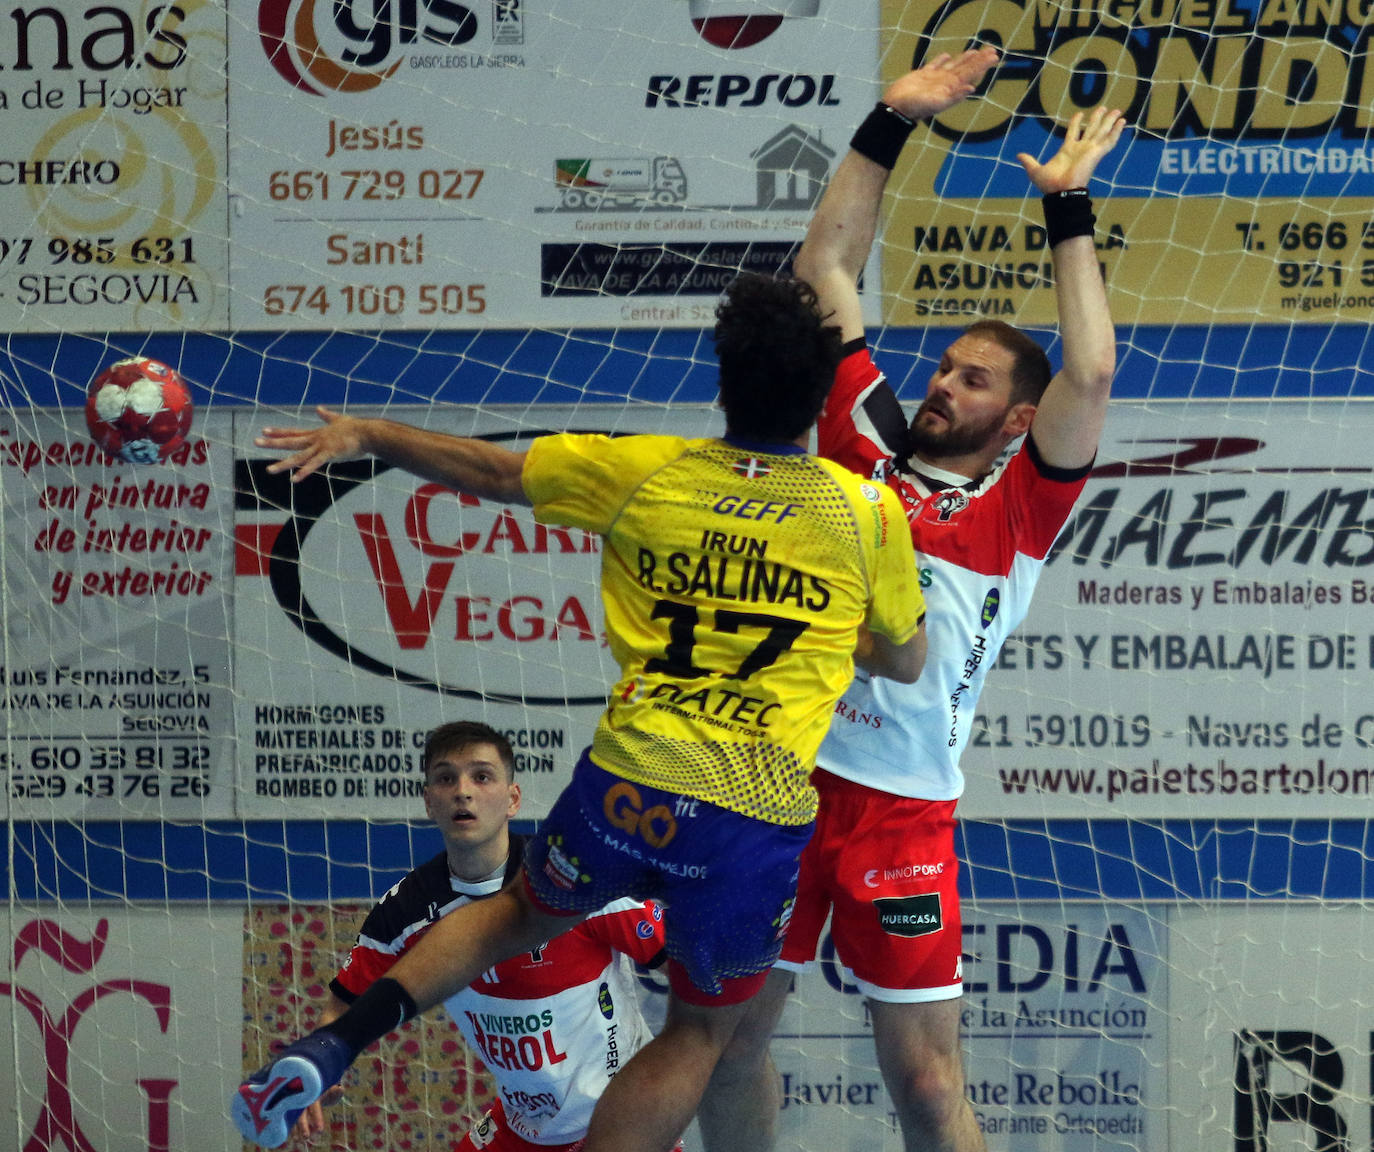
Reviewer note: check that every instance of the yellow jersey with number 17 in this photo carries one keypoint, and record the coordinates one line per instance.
(734, 579)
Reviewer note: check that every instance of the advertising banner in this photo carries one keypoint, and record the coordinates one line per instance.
(1198, 640)
(419, 1088)
(116, 688)
(1242, 193)
(1270, 1047)
(492, 165)
(1191, 649)
(124, 1024)
(1065, 1031)
(1084, 1025)
(113, 179)
(1194, 649)
(496, 165)
(372, 606)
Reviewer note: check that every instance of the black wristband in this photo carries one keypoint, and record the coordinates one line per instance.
(881, 136)
(1068, 214)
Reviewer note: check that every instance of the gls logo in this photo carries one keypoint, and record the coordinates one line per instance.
(353, 45)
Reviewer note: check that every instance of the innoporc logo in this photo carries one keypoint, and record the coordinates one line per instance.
(322, 46)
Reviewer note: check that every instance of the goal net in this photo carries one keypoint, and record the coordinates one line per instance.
(500, 218)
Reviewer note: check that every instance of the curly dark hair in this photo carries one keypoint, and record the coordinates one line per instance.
(456, 735)
(777, 357)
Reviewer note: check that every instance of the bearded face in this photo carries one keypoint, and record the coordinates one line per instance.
(963, 421)
(936, 434)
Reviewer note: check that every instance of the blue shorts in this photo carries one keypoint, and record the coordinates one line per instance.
(727, 881)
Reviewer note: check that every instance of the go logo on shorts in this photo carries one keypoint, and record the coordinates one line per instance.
(624, 808)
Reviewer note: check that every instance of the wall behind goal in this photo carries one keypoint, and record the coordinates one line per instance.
(492, 220)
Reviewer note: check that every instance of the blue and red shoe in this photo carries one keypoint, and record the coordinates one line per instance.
(266, 1106)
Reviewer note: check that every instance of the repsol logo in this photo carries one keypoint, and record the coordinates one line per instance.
(373, 34)
(732, 90)
(624, 808)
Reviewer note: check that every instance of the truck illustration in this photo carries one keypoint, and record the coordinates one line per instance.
(597, 182)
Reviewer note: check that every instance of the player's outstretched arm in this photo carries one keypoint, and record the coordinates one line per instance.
(312, 1121)
(841, 232)
(476, 467)
(1068, 422)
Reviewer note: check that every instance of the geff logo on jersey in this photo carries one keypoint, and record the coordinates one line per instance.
(354, 45)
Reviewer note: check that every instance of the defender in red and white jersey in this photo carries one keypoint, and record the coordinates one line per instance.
(981, 544)
(552, 1026)
(984, 514)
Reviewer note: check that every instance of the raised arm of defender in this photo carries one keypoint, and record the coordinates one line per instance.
(1069, 418)
(837, 243)
(1070, 415)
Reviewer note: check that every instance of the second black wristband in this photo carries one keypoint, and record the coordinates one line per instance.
(1068, 214)
(881, 136)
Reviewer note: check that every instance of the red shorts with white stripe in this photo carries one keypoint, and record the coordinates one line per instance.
(884, 868)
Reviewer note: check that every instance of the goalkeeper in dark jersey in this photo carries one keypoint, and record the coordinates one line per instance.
(741, 580)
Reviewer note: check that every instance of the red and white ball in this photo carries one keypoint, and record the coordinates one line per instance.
(138, 410)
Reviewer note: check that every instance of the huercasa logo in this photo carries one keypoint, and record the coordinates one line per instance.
(910, 915)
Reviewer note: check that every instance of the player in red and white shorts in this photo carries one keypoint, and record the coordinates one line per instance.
(983, 516)
(883, 868)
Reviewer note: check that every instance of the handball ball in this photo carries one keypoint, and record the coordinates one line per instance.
(138, 410)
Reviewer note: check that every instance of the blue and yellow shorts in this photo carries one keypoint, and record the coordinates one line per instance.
(727, 881)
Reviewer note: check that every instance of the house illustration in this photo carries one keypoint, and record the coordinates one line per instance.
(791, 169)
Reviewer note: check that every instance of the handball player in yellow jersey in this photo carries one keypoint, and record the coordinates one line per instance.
(741, 579)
